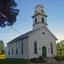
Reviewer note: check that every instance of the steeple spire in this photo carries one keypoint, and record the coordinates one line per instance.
(39, 17)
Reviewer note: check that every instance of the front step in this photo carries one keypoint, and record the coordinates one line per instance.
(50, 60)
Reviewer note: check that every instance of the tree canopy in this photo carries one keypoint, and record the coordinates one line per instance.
(2, 50)
(60, 48)
(8, 12)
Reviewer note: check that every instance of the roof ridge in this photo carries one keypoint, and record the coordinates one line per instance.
(23, 36)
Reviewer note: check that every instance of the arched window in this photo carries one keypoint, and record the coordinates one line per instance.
(12, 49)
(22, 47)
(42, 11)
(35, 11)
(35, 20)
(16, 49)
(9, 50)
(42, 20)
(51, 46)
(35, 47)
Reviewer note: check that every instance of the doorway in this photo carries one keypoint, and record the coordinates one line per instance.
(44, 51)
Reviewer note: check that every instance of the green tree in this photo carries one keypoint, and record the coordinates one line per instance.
(8, 12)
(2, 50)
(60, 48)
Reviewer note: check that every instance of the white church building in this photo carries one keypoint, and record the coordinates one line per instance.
(38, 42)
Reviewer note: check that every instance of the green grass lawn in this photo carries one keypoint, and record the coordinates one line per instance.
(14, 61)
(3, 60)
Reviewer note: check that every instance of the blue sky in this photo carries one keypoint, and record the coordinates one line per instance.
(53, 8)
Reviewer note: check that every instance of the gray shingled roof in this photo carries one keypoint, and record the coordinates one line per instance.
(21, 37)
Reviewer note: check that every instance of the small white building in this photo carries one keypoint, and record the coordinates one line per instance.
(38, 42)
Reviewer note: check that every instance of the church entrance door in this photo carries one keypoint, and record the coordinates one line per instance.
(44, 51)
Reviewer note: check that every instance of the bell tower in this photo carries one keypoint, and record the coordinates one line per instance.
(39, 17)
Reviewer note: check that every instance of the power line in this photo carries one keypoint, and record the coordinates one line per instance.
(10, 26)
(15, 30)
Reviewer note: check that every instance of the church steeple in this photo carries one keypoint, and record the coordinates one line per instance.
(39, 17)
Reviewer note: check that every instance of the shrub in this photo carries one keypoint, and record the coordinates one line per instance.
(59, 58)
(38, 60)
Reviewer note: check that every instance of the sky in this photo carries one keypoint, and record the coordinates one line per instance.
(53, 8)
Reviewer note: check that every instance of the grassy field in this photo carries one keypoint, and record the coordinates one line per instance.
(14, 61)
(3, 60)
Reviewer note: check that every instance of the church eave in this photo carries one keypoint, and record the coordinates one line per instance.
(39, 22)
(22, 37)
(17, 39)
(39, 14)
(52, 34)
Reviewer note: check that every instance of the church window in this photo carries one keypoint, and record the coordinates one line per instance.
(42, 20)
(42, 11)
(35, 20)
(51, 46)
(9, 50)
(35, 47)
(12, 49)
(43, 33)
(35, 11)
(22, 47)
(16, 48)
